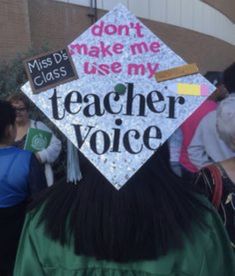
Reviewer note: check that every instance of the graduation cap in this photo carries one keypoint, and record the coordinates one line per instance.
(116, 113)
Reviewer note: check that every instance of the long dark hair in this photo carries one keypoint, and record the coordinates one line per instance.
(142, 221)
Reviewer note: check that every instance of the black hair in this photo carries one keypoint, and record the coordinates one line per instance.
(19, 97)
(229, 78)
(215, 77)
(7, 117)
(142, 221)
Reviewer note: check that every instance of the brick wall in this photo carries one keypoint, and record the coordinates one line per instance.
(56, 24)
(14, 28)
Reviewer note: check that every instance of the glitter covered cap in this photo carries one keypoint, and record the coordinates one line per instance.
(116, 113)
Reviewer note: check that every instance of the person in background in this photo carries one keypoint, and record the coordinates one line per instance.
(153, 225)
(180, 141)
(226, 168)
(206, 147)
(190, 125)
(46, 156)
(21, 177)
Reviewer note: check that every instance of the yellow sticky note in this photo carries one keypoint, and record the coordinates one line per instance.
(189, 89)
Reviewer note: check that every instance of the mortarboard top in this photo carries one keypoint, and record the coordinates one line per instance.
(116, 113)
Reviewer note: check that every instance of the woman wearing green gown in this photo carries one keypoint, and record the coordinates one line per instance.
(154, 225)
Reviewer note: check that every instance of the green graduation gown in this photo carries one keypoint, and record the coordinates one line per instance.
(206, 253)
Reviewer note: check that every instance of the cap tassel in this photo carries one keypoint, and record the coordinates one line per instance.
(73, 166)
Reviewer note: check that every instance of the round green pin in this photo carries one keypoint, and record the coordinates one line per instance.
(120, 88)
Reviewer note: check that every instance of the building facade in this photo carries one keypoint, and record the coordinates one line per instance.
(198, 31)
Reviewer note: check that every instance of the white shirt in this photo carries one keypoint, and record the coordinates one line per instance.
(206, 145)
